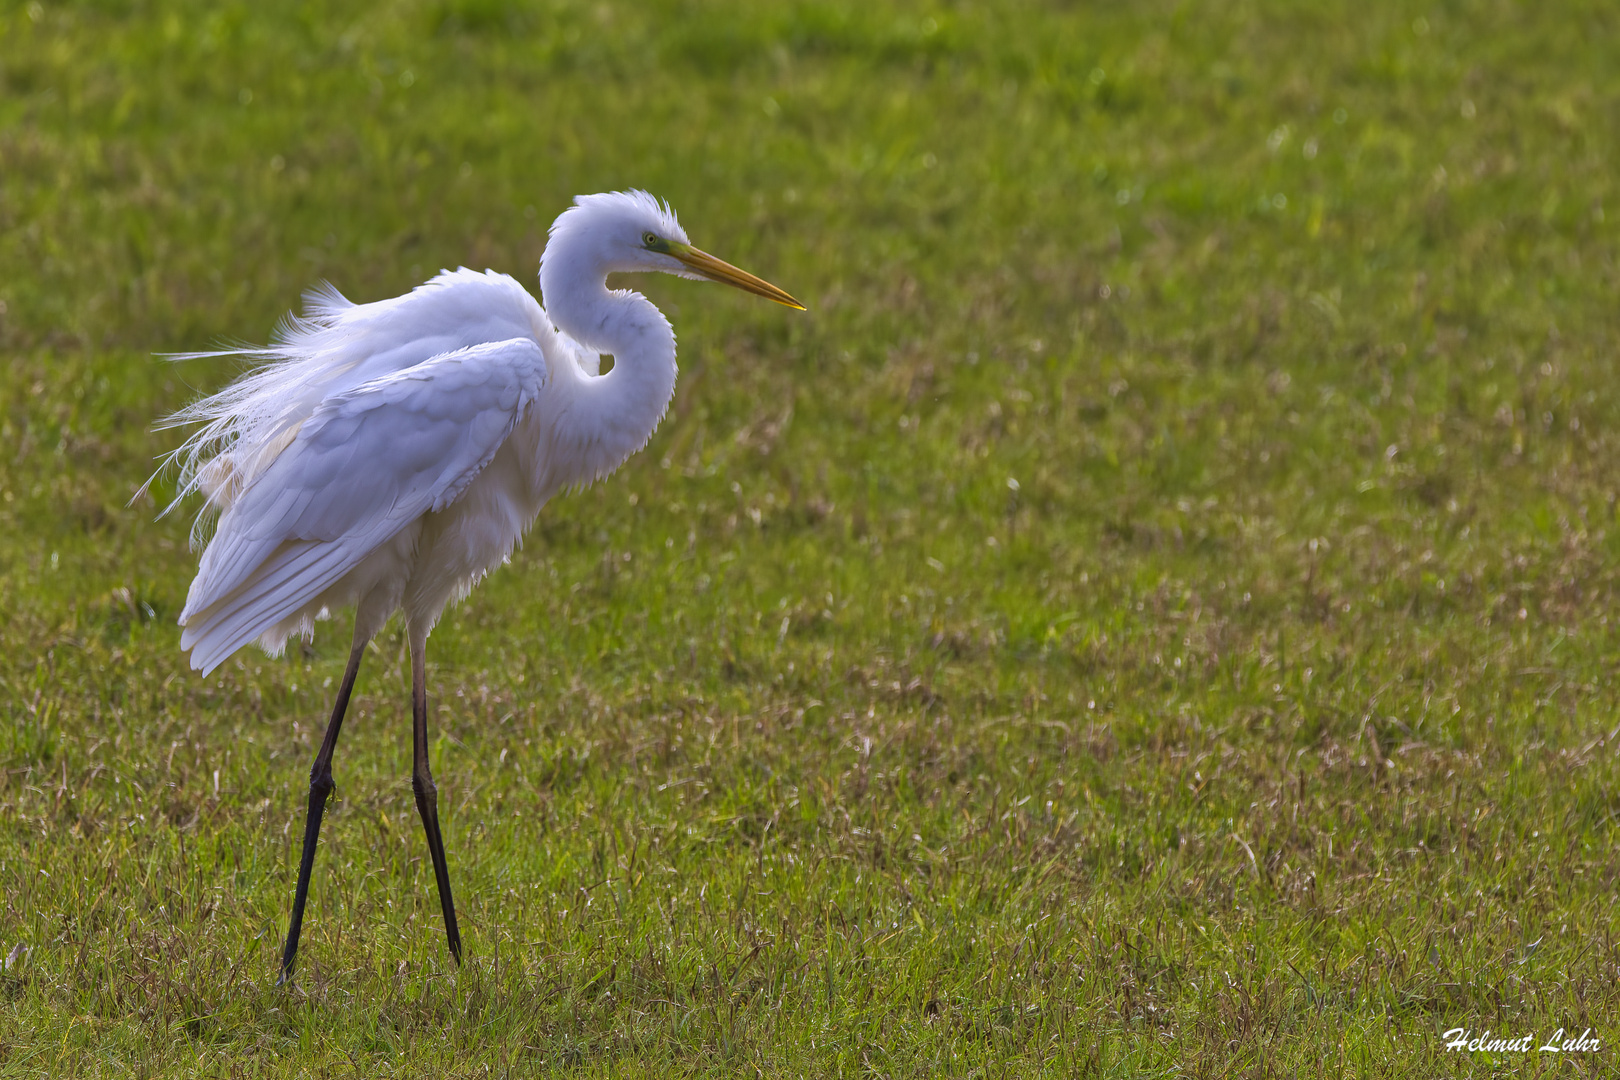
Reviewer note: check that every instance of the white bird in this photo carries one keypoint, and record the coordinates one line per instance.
(389, 455)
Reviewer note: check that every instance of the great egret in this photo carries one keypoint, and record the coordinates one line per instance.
(388, 455)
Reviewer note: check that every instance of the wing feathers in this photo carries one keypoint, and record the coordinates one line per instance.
(368, 461)
(283, 585)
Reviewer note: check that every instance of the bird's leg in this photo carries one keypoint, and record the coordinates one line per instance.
(427, 795)
(320, 788)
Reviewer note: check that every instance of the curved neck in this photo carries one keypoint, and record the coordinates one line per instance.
(595, 422)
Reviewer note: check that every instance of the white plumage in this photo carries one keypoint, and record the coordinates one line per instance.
(390, 454)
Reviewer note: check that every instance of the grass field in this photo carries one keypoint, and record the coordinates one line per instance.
(1151, 616)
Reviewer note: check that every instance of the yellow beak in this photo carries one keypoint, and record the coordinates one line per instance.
(701, 262)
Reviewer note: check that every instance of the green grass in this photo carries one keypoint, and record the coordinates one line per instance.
(1150, 616)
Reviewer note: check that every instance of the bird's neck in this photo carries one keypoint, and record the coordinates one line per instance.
(600, 420)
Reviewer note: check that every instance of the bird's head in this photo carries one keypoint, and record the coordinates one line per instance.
(631, 231)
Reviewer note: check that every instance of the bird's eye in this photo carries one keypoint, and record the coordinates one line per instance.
(649, 239)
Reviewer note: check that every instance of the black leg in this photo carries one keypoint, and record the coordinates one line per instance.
(320, 788)
(427, 796)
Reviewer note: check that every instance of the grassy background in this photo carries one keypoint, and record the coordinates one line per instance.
(1151, 615)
